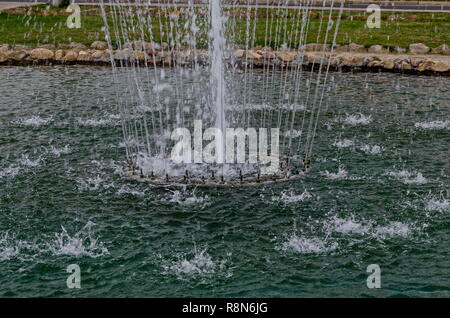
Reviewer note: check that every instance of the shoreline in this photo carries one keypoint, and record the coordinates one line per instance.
(263, 58)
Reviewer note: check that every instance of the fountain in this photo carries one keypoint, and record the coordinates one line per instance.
(204, 126)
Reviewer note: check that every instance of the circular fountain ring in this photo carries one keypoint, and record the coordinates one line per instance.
(246, 180)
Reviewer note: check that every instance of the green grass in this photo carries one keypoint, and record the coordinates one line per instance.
(432, 29)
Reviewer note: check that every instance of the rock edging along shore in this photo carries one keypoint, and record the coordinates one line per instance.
(350, 58)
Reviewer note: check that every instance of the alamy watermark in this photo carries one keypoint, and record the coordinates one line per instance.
(374, 279)
(74, 279)
(74, 20)
(374, 20)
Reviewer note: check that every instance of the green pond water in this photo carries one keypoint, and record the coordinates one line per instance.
(378, 193)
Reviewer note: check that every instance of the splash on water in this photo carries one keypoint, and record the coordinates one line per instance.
(125, 189)
(433, 125)
(82, 243)
(196, 264)
(96, 122)
(27, 162)
(393, 229)
(60, 151)
(341, 174)
(8, 247)
(437, 205)
(349, 225)
(9, 172)
(35, 121)
(408, 177)
(93, 184)
(346, 143)
(358, 119)
(288, 197)
(187, 198)
(306, 245)
(372, 150)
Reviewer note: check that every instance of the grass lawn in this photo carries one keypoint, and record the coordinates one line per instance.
(431, 29)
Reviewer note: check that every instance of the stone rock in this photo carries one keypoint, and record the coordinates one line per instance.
(5, 47)
(253, 55)
(266, 54)
(356, 48)
(405, 65)
(41, 54)
(22, 47)
(123, 55)
(84, 56)
(239, 54)
(388, 64)
(71, 55)
(378, 49)
(77, 46)
(3, 56)
(167, 60)
(142, 45)
(415, 61)
(48, 46)
(99, 45)
(139, 55)
(59, 54)
(99, 54)
(346, 60)
(316, 47)
(418, 48)
(313, 58)
(424, 66)
(286, 57)
(358, 61)
(440, 66)
(352, 47)
(375, 63)
(441, 49)
(164, 46)
(17, 55)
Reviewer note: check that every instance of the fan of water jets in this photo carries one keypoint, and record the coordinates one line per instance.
(207, 87)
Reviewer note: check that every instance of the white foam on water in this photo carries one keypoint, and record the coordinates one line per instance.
(433, 125)
(34, 121)
(125, 189)
(200, 264)
(188, 198)
(372, 150)
(408, 177)
(93, 184)
(349, 225)
(393, 229)
(8, 247)
(266, 106)
(344, 143)
(341, 174)
(293, 133)
(59, 151)
(27, 162)
(288, 197)
(437, 205)
(95, 122)
(9, 172)
(82, 243)
(358, 119)
(306, 245)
